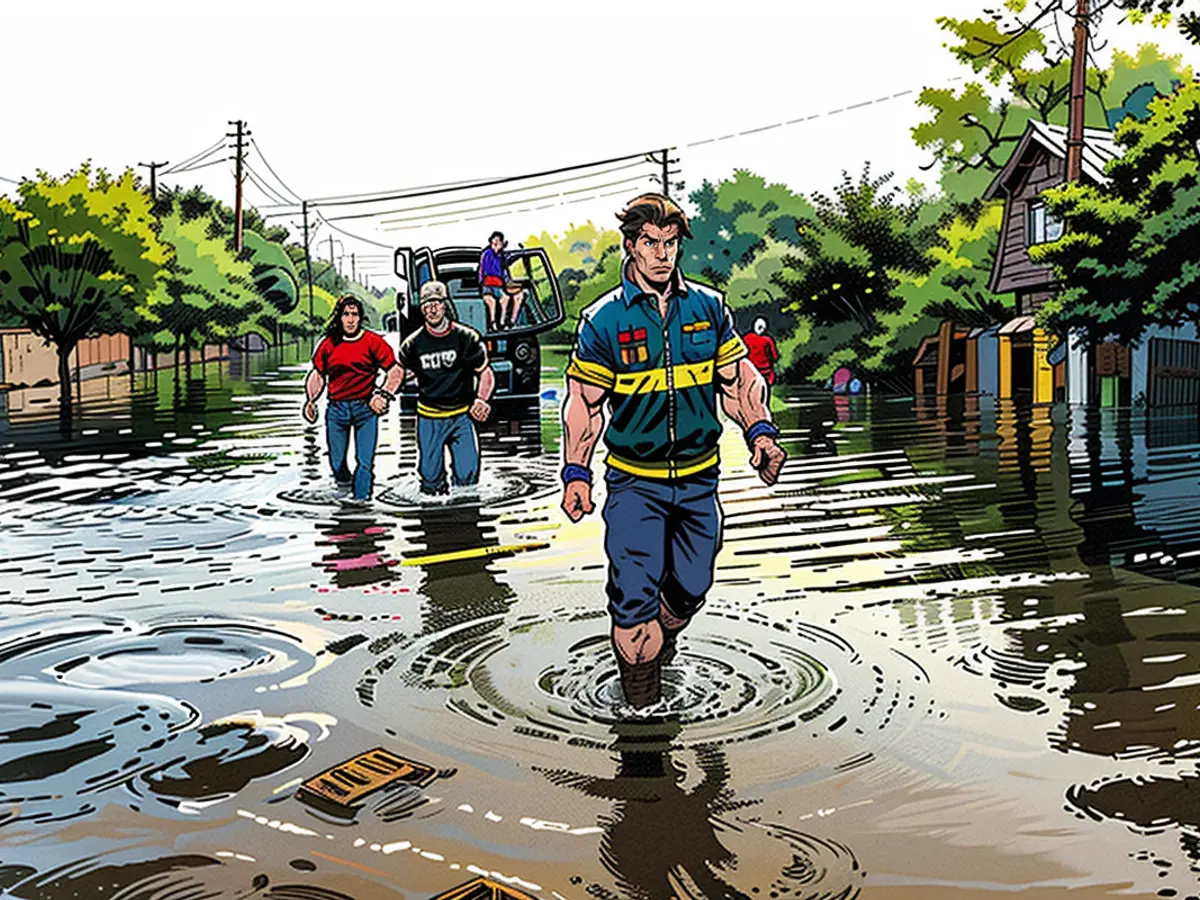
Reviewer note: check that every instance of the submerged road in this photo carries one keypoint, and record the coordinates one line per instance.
(951, 654)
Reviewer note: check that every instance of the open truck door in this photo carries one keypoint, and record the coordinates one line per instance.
(542, 305)
(413, 268)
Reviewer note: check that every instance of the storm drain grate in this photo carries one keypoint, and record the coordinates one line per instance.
(348, 782)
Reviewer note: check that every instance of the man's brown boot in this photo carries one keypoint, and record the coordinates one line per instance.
(641, 682)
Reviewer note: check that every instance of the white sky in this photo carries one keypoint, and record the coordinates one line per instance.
(352, 97)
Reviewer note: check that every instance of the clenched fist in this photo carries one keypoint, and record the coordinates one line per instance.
(577, 500)
(768, 459)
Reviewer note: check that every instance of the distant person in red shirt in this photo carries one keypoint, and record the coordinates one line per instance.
(347, 361)
(763, 352)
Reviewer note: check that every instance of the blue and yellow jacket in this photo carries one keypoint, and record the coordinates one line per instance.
(660, 376)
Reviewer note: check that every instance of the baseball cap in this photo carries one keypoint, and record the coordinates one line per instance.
(434, 290)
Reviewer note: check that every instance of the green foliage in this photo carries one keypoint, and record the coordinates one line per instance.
(1024, 75)
(843, 283)
(955, 289)
(1128, 255)
(79, 255)
(575, 254)
(204, 293)
(735, 219)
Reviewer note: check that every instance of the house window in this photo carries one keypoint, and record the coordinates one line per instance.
(1044, 225)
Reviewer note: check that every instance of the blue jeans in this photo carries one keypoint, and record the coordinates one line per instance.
(341, 416)
(661, 538)
(434, 434)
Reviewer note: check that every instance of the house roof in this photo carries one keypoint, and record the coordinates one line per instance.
(1098, 148)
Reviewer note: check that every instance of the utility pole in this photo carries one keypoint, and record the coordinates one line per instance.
(153, 167)
(1075, 112)
(353, 271)
(239, 136)
(332, 263)
(665, 160)
(307, 260)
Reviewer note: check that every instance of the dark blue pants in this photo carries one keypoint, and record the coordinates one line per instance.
(341, 416)
(434, 435)
(661, 538)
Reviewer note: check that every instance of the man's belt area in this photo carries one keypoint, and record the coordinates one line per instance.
(433, 412)
(664, 469)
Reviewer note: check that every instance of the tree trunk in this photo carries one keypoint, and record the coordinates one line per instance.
(65, 408)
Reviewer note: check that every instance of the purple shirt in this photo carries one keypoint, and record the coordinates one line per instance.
(492, 264)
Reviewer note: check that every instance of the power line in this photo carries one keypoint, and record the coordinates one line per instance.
(382, 194)
(215, 162)
(532, 187)
(510, 204)
(797, 121)
(355, 236)
(270, 169)
(196, 157)
(496, 181)
(259, 182)
(9, 180)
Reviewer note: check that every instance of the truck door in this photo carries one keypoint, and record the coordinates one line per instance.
(542, 304)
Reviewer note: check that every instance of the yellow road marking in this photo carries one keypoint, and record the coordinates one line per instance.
(473, 553)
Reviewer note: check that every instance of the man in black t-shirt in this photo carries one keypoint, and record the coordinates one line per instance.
(454, 384)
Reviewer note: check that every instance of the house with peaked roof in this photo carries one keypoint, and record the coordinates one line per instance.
(1033, 366)
(1161, 369)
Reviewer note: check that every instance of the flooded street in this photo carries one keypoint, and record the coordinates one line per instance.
(945, 624)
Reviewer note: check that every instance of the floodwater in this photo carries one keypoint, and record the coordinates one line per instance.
(951, 654)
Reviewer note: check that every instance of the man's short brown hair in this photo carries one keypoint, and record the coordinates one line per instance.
(652, 209)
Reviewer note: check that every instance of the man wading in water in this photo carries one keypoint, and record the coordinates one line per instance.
(658, 349)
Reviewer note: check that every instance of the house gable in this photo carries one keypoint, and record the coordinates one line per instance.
(1013, 271)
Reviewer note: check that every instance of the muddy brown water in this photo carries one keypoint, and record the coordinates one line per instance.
(951, 654)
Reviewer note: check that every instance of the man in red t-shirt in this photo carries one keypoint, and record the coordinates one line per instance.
(763, 352)
(347, 361)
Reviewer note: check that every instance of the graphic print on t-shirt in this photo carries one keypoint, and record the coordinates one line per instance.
(445, 365)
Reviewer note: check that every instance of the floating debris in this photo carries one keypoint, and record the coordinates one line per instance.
(347, 783)
(483, 889)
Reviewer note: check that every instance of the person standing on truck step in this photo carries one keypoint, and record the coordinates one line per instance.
(493, 276)
(347, 360)
(659, 350)
(454, 384)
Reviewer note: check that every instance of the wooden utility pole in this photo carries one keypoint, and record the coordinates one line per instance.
(331, 260)
(307, 260)
(239, 137)
(353, 270)
(1075, 112)
(153, 167)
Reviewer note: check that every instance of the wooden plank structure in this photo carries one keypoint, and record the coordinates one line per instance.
(483, 889)
(347, 783)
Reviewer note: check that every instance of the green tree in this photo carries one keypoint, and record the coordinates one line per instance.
(844, 279)
(205, 294)
(575, 254)
(734, 220)
(955, 288)
(79, 255)
(1128, 256)
(1024, 69)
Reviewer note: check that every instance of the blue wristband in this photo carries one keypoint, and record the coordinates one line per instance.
(572, 472)
(758, 429)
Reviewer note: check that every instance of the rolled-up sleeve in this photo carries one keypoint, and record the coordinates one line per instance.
(591, 360)
(731, 347)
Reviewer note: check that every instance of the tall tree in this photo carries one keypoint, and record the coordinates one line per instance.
(1128, 256)
(79, 256)
(734, 220)
(1023, 66)
(843, 280)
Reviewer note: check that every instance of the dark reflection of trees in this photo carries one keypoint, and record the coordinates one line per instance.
(462, 587)
(358, 542)
(658, 829)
